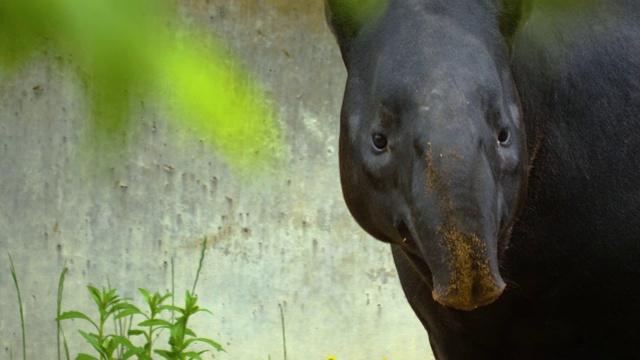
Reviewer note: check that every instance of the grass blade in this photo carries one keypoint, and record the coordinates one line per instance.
(66, 346)
(59, 305)
(284, 339)
(195, 282)
(15, 281)
(173, 291)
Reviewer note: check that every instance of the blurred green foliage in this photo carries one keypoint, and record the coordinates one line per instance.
(363, 11)
(349, 16)
(128, 50)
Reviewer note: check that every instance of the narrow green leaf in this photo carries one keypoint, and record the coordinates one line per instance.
(199, 309)
(59, 306)
(284, 338)
(126, 309)
(172, 308)
(145, 295)
(164, 353)
(66, 347)
(135, 332)
(195, 282)
(110, 294)
(93, 340)
(192, 355)
(109, 345)
(214, 344)
(85, 357)
(121, 340)
(111, 298)
(173, 290)
(15, 281)
(133, 351)
(125, 313)
(155, 322)
(126, 306)
(76, 315)
(95, 294)
(164, 297)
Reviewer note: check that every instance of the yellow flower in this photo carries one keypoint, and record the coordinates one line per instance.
(331, 357)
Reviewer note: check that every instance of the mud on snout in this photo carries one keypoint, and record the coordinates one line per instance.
(469, 276)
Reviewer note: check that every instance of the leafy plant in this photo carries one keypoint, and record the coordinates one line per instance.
(122, 343)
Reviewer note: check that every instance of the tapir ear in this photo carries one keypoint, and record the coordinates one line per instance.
(347, 18)
(514, 15)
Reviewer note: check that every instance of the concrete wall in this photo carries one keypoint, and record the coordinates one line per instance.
(282, 238)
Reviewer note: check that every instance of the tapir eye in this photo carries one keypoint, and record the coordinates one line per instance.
(504, 137)
(379, 141)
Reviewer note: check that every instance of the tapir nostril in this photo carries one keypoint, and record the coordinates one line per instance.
(403, 231)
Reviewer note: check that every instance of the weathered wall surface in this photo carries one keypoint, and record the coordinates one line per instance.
(284, 237)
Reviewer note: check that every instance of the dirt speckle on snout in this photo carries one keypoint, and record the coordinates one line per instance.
(470, 283)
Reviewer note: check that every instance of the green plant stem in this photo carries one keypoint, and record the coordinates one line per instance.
(173, 291)
(284, 338)
(59, 305)
(15, 281)
(195, 282)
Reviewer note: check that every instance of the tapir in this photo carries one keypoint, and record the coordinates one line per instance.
(493, 144)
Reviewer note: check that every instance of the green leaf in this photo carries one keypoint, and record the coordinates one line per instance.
(202, 310)
(192, 355)
(164, 353)
(76, 315)
(164, 297)
(121, 340)
(133, 351)
(109, 345)
(155, 322)
(95, 294)
(59, 306)
(214, 344)
(126, 309)
(145, 295)
(93, 340)
(204, 247)
(85, 357)
(66, 346)
(135, 332)
(125, 313)
(172, 308)
(126, 306)
(110, 298)
(15, 282)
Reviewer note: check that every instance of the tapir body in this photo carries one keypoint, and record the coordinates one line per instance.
(493, 144)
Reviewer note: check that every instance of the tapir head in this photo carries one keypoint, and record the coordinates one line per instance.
(432, 144)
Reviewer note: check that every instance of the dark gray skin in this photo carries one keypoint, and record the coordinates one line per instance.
(493, 145)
